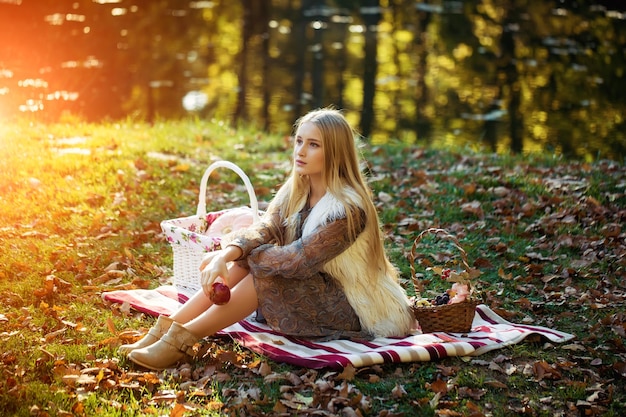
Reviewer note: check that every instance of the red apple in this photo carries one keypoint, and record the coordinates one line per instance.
(220, 293)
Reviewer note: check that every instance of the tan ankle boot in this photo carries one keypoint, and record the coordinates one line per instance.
(160, 328)
(173, 346)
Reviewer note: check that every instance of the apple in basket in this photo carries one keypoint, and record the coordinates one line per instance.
(220, 293)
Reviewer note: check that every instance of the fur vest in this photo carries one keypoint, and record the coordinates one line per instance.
(379, 301)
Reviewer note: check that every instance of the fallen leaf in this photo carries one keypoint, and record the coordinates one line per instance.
(543, 370)
(347, 373)
(574, 346)
(496, 384)
(473, 207)
(398, 391)
(439, 386)
(475, 393)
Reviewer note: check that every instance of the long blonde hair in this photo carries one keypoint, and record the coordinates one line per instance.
(341, 169)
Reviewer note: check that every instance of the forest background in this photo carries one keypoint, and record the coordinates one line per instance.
(502, 75)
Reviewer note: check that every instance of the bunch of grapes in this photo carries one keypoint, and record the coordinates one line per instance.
(442, 299)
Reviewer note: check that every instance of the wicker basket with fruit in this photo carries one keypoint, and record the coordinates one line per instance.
(453, 311)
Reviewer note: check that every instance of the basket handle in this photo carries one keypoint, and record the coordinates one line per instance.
(201, 211)
(438, 232)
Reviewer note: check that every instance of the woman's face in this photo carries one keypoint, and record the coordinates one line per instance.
(308, 152)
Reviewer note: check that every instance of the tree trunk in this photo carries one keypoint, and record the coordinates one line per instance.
(265, 13)
(516, 125)
(246, 33)
(370, 11)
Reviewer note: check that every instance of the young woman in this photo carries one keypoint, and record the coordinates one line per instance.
(315, 265)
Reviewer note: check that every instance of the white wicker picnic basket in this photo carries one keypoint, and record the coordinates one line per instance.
(191, 237)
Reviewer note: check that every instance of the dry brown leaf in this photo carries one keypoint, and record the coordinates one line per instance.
(447, 370)
(543, 370)
(504, 275)
(78, 409)
(469, 189)
(474, 208)
(448, 412)
(53, 335)
(574, 346)
(611, 230)
(347, 373)
(439, 386)
(181, 409)
(398, 391)
(496, 384)
(111, 325)
(620, 368)
(264, 369)
(475, 393)
(293, 378)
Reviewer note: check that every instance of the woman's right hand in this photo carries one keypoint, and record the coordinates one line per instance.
(215, 264)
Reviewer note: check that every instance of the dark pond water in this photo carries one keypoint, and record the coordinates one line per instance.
(504, 75)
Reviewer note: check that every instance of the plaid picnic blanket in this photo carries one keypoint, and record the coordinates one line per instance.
(489, 332)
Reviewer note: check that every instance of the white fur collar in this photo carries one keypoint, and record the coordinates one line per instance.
(328, 209)
(325, 211)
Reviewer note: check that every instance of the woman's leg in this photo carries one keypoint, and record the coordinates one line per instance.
(181, 337)
(195, 306)
(199, 303)
(235, 274)
(243, 302)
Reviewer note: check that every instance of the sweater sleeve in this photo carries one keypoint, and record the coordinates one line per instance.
(261, 233)
(305, 256)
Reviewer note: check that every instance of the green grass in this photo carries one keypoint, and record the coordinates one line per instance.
(78, 199)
